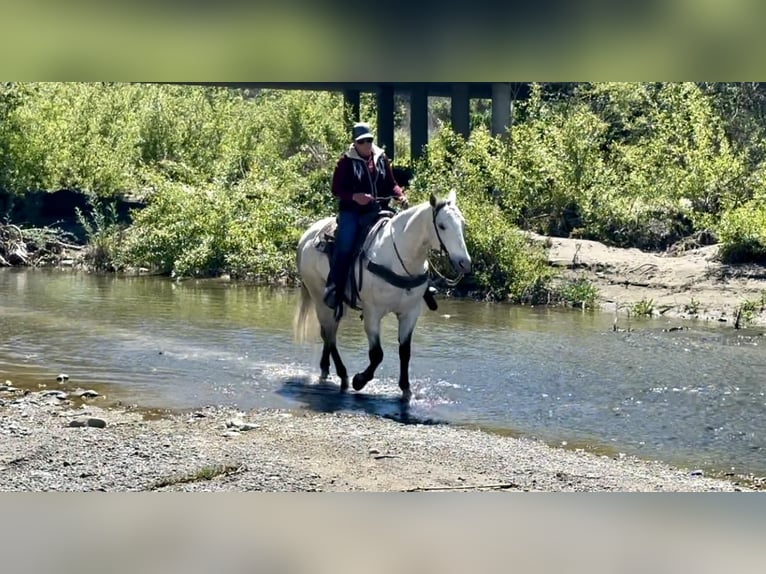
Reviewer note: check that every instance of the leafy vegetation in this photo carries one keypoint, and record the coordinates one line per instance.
(748, 310)
(506, 266)
(104, 235)
(746, 313)
(580, 293)
(643, 308)
(230, 178)
(692, 307)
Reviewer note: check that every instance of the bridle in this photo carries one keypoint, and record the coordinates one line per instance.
(442, 248)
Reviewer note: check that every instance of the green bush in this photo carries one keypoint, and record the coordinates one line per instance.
(229, 179)
(104, 235)
(555, 166)
(580, 293)
(506, 266)
(670, 163)
(96, 137)
(643, 308)
(247, 226)
(108, 139)
(742, 233)
(186, 232)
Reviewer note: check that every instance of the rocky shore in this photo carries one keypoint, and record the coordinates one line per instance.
(58, 441)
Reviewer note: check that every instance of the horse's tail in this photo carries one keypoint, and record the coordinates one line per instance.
(305, 323)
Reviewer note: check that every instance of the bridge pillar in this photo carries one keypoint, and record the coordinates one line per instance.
(386, 119)
(418, 120)
(501, 108)
(351, 107)
(460, 110)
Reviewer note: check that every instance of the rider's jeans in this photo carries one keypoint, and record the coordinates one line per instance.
(350, 225)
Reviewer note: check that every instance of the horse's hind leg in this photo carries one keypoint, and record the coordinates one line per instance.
(340, 368)
(330, 349)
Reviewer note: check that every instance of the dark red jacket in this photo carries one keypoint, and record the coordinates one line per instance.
(354, 174)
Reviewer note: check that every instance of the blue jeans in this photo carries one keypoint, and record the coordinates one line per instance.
(351, 227)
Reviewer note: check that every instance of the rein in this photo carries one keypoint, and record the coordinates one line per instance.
(447, 280)
(399, 257)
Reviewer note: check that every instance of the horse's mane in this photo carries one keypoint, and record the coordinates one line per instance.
(401, 220)
(407, 214)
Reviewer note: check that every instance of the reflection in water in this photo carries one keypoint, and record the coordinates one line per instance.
(695, 398)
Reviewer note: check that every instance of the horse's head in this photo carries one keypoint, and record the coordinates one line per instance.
(449, 227)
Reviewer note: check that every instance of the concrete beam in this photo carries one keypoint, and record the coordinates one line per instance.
(444, 89)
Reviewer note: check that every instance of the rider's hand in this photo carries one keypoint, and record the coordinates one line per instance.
(403, 202)
(362, 198)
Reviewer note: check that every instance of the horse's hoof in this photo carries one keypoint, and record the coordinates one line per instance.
(406, 395)
(358, 383)
(344, 385)
(323, 376)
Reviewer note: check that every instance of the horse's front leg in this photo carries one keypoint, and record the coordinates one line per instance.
(406, 328)
(372, 328)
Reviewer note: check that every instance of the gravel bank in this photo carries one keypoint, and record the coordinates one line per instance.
(217, 449)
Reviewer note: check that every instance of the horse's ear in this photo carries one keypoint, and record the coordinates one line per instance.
(433, 200)
(452, 197)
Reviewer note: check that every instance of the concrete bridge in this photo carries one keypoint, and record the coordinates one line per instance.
(502, 94)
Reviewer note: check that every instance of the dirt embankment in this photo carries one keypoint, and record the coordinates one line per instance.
(688, 284)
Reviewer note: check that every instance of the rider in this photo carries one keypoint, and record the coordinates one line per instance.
(364, 184)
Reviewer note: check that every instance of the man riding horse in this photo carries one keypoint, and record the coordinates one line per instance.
(364, 184)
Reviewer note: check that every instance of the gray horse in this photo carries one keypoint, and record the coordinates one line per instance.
(393, 268)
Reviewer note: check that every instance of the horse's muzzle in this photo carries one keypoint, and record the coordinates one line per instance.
(461, 264)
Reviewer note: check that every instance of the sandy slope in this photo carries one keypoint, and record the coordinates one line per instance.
(673, 282)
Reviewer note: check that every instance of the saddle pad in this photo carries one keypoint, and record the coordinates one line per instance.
(325, 239)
